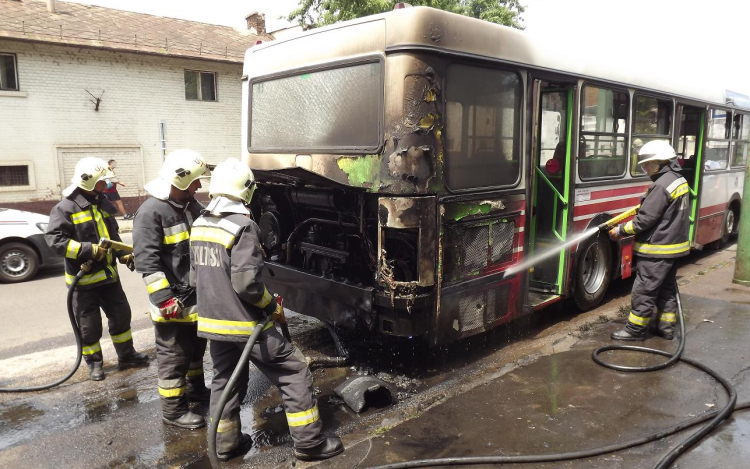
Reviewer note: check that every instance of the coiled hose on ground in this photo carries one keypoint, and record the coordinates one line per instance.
(716, 417)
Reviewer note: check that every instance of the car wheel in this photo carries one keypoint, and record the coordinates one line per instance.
(18, 262)
(593, 271)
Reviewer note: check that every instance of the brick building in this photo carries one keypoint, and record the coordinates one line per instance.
(79, 80)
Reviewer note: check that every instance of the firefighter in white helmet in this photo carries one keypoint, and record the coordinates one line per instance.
(76, 225)
(227, 261)
(161, 233)
(661, 228)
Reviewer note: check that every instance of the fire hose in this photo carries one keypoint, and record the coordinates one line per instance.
(716, 417)
(104, 243)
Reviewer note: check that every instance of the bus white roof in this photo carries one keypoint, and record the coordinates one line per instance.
(428, 28)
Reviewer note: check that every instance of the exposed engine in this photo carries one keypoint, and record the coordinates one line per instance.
(331, 233)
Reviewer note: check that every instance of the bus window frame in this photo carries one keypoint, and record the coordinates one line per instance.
(651, 137)
(520, 118)
(730, 112)
(348, 62)
(581, 132)
(735, 141)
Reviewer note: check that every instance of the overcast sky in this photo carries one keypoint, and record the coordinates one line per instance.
(687, 35)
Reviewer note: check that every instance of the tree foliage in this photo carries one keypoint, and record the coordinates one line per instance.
(313, 13)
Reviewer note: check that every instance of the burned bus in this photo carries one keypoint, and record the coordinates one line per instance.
(406, 160)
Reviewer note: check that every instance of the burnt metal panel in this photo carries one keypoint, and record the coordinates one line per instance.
(409, 213)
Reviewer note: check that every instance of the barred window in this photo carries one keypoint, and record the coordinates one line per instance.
(15, 175)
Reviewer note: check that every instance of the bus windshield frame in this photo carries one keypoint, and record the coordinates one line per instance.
(354, 148)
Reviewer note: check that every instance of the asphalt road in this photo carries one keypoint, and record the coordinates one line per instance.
(35, 317)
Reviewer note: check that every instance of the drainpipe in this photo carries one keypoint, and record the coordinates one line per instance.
(51, 6)
(742, 265)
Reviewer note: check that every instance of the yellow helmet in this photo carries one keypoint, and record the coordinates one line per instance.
(88, 172)
(233, 179)
(180, 169)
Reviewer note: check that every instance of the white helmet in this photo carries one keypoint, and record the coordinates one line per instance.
(88, 172)
(656, 150)
(180, 169)
(233, 179)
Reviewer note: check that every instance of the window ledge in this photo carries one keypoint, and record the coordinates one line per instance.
(13, 94)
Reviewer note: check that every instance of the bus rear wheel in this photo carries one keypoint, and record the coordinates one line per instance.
(728, 227)
(593, 271)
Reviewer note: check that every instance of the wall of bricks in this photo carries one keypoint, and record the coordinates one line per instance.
(56, 117)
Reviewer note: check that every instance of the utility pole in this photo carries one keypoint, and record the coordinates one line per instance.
(742, 265)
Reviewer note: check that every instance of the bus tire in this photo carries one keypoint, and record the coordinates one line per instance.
(593, 271)
(728, 227)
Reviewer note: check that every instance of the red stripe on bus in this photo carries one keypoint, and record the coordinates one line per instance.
(713, 209)
(603, 194)
(606, 206)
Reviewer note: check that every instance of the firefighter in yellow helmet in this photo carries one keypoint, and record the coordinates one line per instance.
(661, 229)
(76, 225)
(161, 234)
(227, 261)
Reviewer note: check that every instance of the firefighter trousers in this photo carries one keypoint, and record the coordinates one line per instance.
(179, 356)
(112, 300)
(654, 298)
(286, 368)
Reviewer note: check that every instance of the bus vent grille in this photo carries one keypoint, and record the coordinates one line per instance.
(469, 249)
(483, 308)
(471, 311)
(502, 242)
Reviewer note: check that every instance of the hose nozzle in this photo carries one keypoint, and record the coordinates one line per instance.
(107, 243)
(612, 222)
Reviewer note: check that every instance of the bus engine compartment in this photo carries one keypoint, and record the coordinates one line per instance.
(347, 257)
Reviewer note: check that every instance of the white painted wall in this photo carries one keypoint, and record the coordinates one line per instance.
(52, 113)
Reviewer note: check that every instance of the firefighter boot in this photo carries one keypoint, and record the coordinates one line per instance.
(131, 358)
(188, 420)
(625, 334)
(243, 447)
(197, 391)
(328, 449)
(96, 373)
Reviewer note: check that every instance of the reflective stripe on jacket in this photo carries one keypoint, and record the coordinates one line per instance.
(227, 263)
(76, 223)
(161, 247)
(662, 225)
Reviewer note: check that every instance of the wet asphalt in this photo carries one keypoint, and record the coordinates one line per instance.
(526, 388)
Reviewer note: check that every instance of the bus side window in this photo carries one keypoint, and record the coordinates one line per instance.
(482, 131)
(604, 127)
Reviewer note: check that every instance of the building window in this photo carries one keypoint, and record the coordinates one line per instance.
(604, 129)
(483, 127)
(200, 86)
(8, 72)
(15, 175)
(652, 120)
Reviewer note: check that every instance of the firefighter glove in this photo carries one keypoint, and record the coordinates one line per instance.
(98, 253)
(615, 233)
(278, 312)
(170, 309)
(128, 260)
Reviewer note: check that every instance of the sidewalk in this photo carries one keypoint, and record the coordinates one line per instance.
(565, 402)
(126, 226)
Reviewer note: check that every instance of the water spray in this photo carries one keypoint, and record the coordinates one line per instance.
(554, 250)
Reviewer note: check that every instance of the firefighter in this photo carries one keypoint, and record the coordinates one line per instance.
(661, 228)
(227, 261)
(76, 225)
(161, 233)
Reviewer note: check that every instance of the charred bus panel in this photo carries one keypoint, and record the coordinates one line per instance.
(366, 234)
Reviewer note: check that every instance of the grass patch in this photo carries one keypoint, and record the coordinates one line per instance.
(623, 310)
